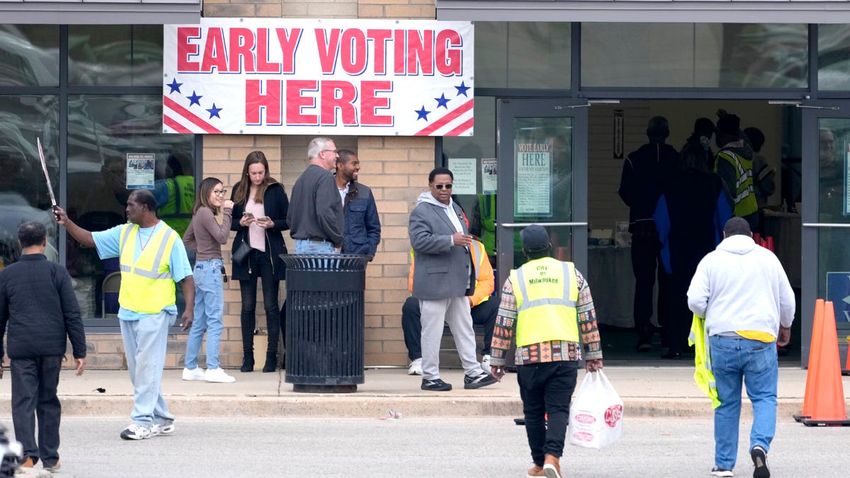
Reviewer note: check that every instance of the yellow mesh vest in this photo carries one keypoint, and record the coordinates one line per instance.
(546, 292)
(147, 286)
(745, 194)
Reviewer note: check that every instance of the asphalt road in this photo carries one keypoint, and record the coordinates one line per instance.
(451, 447)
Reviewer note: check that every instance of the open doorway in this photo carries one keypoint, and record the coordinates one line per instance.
(615, 130)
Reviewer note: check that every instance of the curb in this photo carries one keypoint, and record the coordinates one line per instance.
(378, 406)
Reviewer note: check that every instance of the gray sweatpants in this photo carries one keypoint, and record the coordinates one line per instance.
(455, 312)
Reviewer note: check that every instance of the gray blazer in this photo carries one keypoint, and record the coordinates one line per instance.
(441, 270)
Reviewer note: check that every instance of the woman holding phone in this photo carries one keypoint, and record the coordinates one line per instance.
(260, 204)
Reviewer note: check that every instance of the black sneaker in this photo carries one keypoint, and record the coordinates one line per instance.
(721, 472)
(435, 385)
(478, 381)
(760, 462)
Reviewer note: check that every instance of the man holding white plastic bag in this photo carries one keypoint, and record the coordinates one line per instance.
(547, 309)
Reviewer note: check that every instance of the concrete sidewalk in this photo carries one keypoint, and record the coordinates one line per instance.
(667, 391)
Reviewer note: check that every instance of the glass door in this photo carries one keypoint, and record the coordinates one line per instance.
(542, 164)
(826, 215)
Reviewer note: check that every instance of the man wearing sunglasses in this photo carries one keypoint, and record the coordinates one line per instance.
(443, 278)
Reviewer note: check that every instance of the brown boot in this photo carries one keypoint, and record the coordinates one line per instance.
(552, 466)
(28, 463)
(535, 471)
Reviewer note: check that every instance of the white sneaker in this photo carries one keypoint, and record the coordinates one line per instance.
(162, 429)
(136, 432)
(217, 375)
(415, 367)
(195, 374)
(485, 363)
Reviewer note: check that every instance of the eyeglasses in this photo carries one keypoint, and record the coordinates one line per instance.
(440, 187)
(219, 192)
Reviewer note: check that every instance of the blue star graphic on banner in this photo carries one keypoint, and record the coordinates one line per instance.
(442, 101)
(174, 86)
(423, 113)
(214, 111)
(461, 90)
(195, 99)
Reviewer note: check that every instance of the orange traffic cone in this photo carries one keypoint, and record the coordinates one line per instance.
(828, 408)
(814, 361)
(846, 370)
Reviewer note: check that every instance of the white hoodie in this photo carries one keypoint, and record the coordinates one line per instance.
(741, 286)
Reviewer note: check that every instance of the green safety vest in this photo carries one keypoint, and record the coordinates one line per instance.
(177, 210)
(744, 198)
(147, 285)
(703, 376)
(546, 292)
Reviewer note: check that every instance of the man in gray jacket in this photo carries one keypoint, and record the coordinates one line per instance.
(442, 279)
(315, 211)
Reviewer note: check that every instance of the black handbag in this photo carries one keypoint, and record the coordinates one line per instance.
(240, 254)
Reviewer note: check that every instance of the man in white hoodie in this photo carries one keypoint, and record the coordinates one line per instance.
(742, 291)
(443, 277)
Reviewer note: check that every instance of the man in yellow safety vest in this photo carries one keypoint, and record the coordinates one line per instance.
(734, 165)
(152, 259)
(547, 310)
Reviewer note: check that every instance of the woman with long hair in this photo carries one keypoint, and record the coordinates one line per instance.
(209, 229)
(260, 203)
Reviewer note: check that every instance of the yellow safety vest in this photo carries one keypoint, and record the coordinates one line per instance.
(546, 292)
(703, 376)
(147, 285)
(744, 198)
(177, 210)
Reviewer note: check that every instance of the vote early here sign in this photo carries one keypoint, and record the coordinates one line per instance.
(310, 76)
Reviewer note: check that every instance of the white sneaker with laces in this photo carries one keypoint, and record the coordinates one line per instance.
(485, 363)
(415, 367)
(136, 432)
(194, 374)
(162, 429)
(218, 375)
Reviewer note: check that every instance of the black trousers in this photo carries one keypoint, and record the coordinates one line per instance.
(482, 314)
(546, 389)
(261, 268)
(646, 264)
(34, 383)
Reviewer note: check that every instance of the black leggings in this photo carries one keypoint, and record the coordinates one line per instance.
(261, 268)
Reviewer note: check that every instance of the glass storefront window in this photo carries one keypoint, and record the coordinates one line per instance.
(115, 55)
(705, 55)
(23, 190)
(833, 57)
(102, 131)
(29, 55)
(504, 58)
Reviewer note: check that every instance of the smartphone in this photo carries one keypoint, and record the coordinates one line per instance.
(265, 219)
(248, 214)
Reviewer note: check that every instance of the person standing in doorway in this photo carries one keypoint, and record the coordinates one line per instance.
(748, 305)
(152, 259)
(644, 173)
(547, 312)
(443, 277)
(734, 165)
(362, 224)
(261, 205)
(38, 304)
(315, 219)
(209, 229)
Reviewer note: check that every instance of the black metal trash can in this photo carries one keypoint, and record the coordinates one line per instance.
(324, 321)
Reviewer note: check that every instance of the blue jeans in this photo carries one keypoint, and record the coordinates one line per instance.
(304, 246)
(209, 306)
(734, 359)
(145, 342)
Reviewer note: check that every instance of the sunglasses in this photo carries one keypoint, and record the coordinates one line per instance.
(440, 187)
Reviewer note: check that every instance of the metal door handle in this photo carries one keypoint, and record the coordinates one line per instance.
(826, 224)
(552, 224)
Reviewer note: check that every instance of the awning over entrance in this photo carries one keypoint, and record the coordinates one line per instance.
(112, 12)
(676, 11)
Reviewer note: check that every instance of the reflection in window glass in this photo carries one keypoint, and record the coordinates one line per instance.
(833, 57)
(23, 191)
(29, 55)
(522, 55)
(115, 55)
(833, 144)
(102, 131)
(694, 55)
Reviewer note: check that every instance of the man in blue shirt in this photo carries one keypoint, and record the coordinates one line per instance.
(152, 259)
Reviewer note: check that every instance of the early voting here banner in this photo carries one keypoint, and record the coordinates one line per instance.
(310, 77)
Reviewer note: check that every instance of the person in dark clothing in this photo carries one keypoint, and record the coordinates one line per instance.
(37, 302)
(690, 215)
(644, 172)
(763, 174)
(315, 218)
(261, 205)
(699, 142)
(362, 224)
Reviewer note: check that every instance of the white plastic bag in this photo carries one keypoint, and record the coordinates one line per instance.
(596, 413)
